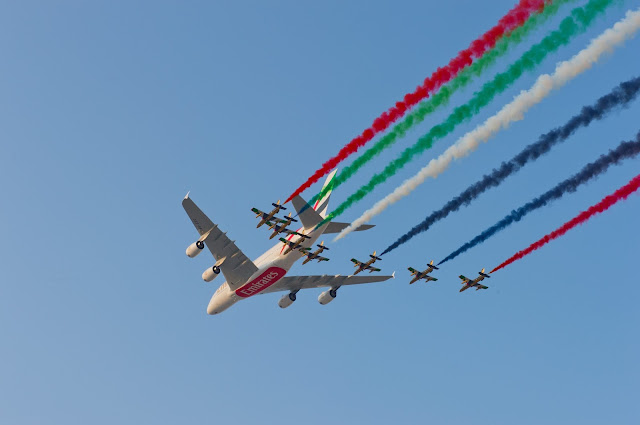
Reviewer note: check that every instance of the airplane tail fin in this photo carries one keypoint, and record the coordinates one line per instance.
(311, 216)
(482, 273)
(307, 215)
(322, 205)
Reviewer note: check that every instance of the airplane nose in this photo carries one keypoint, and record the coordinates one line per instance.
(211, 308)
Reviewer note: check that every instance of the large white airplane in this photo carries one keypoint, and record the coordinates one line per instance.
(246, 278)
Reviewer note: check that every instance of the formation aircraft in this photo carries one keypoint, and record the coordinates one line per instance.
(268, 216)
(294, 245)
(280, 226)
(366, 266)
(314, 255)
(468, 283)
(267, 274)
(423, 274)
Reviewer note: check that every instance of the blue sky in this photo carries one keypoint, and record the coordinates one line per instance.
(111, 111)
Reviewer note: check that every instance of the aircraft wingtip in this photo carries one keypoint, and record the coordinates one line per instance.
(393, 275)
(187, 195)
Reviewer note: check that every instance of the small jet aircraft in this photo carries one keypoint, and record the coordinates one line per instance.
(291, 245)
(269, 272)
(468, 283)
(268, 216)
(314, 255)
(280, 226)
(366, 266)
(423, 274)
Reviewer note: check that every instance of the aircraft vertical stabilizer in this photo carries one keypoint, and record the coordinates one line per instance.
(323, 204)
(311, 216)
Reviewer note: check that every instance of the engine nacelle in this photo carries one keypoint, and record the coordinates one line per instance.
(327, 296)
(287, 300)
(211, 273)
(194, 249)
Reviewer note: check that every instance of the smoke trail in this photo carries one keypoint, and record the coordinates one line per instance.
(624, 151)
(618, 97)
(619, 195)
(464, 77)
(442, 97)
(575, 24)
(514, 18)
(514, 111)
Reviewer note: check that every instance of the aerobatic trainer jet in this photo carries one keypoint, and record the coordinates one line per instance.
(245, 278)
(366, 266)
(280, 226)
(423, 274)
(268, 216)
(294, 245)
(468, 283)
(314, 255)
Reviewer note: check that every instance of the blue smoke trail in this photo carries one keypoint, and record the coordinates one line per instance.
(619, 97)
(624, 151)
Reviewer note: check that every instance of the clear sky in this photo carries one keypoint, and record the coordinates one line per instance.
(110, 111)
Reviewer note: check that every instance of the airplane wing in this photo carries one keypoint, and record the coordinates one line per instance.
(281, 229)
(295, 283)
(464, 279)
(412, 270)
(261, 213)
(354, 261)
(236, 267)
(286, 242)
(373, 269)
(292, 232)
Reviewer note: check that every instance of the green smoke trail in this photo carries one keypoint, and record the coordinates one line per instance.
(442, 97)
(573, 25)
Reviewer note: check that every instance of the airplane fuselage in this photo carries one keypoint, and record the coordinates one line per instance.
(273, 265)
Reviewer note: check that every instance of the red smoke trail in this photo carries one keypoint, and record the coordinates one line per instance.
(516, 17)
(608, 201)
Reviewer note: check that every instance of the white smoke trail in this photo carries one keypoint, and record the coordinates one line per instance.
(514, 111)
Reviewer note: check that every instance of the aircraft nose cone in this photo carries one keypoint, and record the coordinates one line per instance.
(211, 308)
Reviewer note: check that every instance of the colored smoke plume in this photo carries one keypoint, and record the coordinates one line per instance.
(514, 18)
(619, 195)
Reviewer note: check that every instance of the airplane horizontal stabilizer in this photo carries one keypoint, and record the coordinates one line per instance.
(337, 227)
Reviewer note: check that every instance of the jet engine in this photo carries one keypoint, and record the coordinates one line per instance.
(194, 249)
(211, 273)
(287, 300)
(327, 296)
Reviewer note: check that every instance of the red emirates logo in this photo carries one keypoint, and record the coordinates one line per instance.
(262, 282)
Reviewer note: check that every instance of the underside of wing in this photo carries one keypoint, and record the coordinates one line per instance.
(236, 267)
(296, 283)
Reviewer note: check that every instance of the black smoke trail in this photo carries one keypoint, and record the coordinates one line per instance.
(620, 96)
(624, 151)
